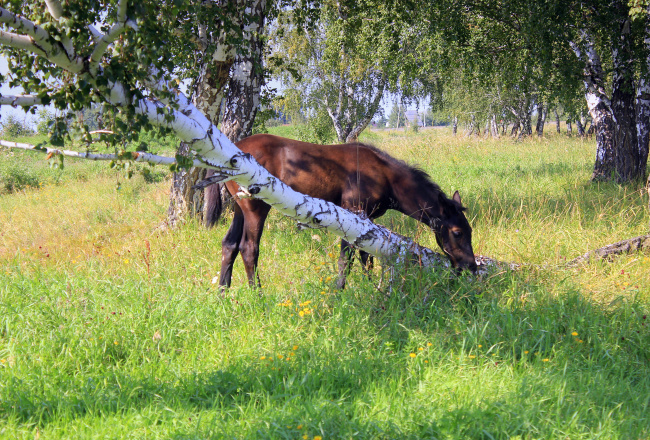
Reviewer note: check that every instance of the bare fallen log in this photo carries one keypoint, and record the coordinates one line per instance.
(636, 244)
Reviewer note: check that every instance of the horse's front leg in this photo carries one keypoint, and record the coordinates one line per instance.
(250, 241)
(346, 259)
(230, 247)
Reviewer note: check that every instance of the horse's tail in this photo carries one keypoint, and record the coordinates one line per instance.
(212, 203)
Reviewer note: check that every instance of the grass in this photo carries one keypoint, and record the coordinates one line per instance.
(110, 326)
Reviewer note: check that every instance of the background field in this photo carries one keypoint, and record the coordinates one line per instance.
(110, 325)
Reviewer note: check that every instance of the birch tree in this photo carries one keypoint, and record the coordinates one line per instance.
(605, 44)
(343, 64)
(228, 65)
(61, 55)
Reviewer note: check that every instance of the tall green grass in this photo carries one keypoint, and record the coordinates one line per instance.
(111, 326)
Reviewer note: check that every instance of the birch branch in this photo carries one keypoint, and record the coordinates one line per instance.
(109, 38)
(20, 42)
(19, 100)
(97, 35)
(136, 156)
(35, 39)
(23, 25)
(56, 11)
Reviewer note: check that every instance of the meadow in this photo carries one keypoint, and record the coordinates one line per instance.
(111, 325)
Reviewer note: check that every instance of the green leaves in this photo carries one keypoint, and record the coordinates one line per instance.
(56, 161)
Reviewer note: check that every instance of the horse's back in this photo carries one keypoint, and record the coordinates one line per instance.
(329, 172)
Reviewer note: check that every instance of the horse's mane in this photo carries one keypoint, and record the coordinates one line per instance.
(421, 177)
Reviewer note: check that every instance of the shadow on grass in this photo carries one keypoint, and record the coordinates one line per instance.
(516, 331)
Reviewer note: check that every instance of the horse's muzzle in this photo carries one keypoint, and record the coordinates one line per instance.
(469, 264)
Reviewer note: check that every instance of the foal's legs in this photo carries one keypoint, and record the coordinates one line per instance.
(255, 212)
(230, 247)
(345, 263)
(367, 260)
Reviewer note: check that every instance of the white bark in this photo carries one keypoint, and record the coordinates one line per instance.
(137, 156)
(19, 100)
(35, 39)
(598, 103)
(106, 40)
(643, 103)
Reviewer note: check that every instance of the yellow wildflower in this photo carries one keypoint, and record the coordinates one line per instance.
(574, 334)
(412, 355)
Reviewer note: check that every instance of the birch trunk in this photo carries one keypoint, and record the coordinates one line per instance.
(242, 100)
(580, 127)
(618, 155)
(494, 128)
(643, 105)
(515, 128)
(348, 122)
(643, 122)
(541, 119)
(557, 121)
(599, 106)
(184, 200)
(626, 148)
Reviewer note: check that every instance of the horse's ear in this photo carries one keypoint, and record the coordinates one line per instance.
(456, 198)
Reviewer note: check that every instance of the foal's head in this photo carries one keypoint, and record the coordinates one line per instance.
(454, 234)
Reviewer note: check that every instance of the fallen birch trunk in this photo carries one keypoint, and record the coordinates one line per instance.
(313, 213)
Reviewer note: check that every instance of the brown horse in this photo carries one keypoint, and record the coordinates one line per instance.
(355, 176)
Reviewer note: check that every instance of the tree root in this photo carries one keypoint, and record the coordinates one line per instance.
(636, 244)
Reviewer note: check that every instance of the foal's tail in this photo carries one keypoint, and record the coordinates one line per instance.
(212, 203)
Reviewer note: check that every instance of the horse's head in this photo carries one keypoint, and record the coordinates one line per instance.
(454, 234)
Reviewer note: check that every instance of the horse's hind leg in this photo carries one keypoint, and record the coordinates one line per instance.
(367, 261)
(346, 259)
(230, 247)
(256, 212)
